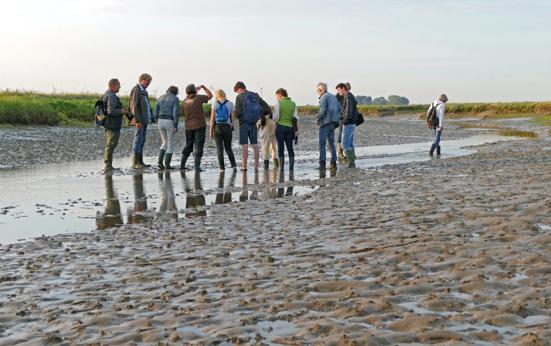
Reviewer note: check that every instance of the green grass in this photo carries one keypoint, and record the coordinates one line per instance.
(29, 108)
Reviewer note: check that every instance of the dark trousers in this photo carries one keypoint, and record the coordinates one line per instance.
(223, 137)
(195, 141)
(111, 141)
(284, 136)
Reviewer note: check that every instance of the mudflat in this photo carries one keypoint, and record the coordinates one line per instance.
(444, 251)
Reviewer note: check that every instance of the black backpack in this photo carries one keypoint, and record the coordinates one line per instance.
(100, 112)
(432, 117)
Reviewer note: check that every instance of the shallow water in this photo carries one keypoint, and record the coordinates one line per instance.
(76, 197)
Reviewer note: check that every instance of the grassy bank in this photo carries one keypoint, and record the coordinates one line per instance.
(28, 108)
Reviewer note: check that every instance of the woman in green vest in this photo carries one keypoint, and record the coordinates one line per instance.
(284, 112)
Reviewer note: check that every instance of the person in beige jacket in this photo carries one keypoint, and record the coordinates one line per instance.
(266, 133)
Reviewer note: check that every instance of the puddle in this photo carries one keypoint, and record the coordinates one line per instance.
(76, 197)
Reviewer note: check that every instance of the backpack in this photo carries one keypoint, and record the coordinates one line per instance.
(251, 108)
(222, 113)
(360, 119)
(100, 112)
(432, 117)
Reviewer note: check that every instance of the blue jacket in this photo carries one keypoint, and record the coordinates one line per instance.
(167, 107)
(330, 110)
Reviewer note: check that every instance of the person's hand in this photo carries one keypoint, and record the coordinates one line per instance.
(200, 87)
(124, 111)
(138, 125)
(211, 134)
(441, 129)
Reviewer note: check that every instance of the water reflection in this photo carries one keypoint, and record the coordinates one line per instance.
(281, 190)
(224, 194)
(112, 216)
(195, 198)
(167, 208)
(138, 214)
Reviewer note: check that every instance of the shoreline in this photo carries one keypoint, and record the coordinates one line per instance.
(451, 250)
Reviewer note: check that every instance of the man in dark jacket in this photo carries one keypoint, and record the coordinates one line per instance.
(349, 116)
(113, 122)
(143, 115)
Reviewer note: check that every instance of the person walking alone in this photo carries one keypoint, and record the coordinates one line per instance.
(285, 111)
(196, 126)
(167, 111)
(440, 107)
(327, 119)
(143, 116)
(349, 116)
(221, 128)
(113, 122)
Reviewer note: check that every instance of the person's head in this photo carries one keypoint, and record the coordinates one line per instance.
(443, 98)
(172, 90)
(114, 85)
(144, 80)
(281, 93)
(239, 87)
(348, 86)
(191, 90)
(220, 95)
(342, 89)
(321, 88)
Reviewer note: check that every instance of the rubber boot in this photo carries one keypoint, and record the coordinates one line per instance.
(267, 164)
(322, 165)
(291, 163)
(438, 150)
(276, 163)
(136, 162)
(281, 163)
(161, 159)
(168, 158)
(333, 166)
(141, 161)
(340, 152)
(350, 159)
(431, 152)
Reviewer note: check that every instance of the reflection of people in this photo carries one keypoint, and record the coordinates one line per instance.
(254, 193)
(194, 197)
(224, 195)
(269, 184)
(167, 209)
(245, 188)
(137, 215)
(111, 217)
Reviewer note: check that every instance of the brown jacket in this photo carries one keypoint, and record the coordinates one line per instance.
(138, 105)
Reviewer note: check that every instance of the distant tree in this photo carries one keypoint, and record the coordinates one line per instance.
(364, 100)
(398, 100)
(381, 101)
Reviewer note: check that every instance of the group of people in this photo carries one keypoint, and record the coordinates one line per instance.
(275, 128)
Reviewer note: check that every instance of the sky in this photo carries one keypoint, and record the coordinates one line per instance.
(472, 50)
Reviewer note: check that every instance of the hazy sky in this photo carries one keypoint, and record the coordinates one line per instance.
(474, 50)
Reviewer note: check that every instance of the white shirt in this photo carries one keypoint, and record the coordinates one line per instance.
(440, 110)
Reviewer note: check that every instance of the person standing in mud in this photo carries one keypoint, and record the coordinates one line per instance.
(249, 107)
(327, 119)
(285, 111)
(166, 113)
(221, 128)
(195, 123)
(113, 122)
(349, 116)
(440, 105)
(143, 116)
(340, 153)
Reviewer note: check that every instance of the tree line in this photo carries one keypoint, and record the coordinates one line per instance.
(394, 100)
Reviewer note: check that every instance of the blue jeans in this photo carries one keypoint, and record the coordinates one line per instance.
(139, 138)
(327, 133)
(436, 143)
(284, 137)
(348, 136)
